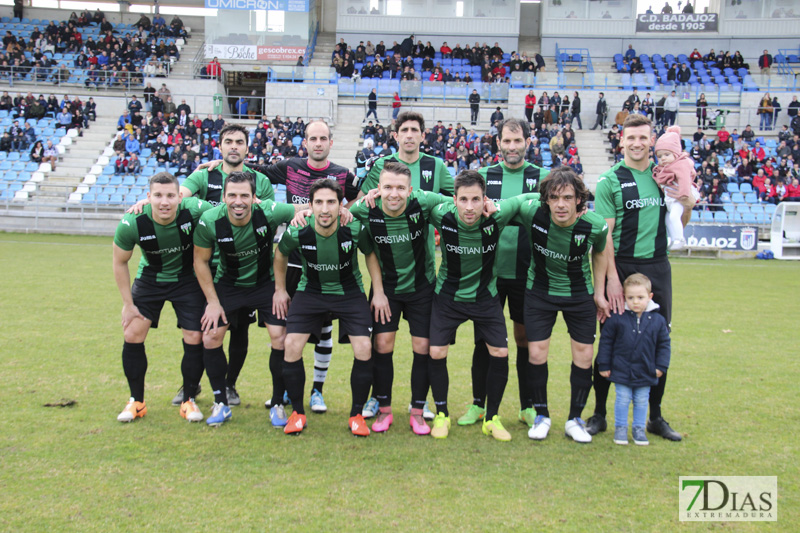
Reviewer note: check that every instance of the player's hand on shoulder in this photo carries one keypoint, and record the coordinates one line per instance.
(300, 219)
(137, 208)
(371, 196)
(345, 216)
(210, 165)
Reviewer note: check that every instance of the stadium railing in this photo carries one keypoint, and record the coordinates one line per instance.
(423, 90)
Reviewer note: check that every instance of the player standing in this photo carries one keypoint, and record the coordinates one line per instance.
(634, 208)
(164, 232)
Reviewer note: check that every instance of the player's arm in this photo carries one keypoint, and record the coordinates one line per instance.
(280, 299)
(380, 303)
(123, 278)
(599, 267)
(614, 295)
(202, 270)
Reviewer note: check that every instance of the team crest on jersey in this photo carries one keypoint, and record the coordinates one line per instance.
(531, 183)
(347, 246)
(414, 217)
(579, 239)
(427, 174)
(488, 230)
(262, 230)
(186, 228)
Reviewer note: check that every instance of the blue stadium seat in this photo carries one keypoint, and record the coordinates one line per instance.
(745, 188)
(751, 198)
(737, 198)
(749, 218)
(721, 217)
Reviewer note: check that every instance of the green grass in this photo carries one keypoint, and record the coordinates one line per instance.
(733, 395)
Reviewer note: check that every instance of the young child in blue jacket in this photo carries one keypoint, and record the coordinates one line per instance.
(634, 352)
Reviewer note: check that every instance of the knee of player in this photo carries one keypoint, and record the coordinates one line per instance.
(192, 337)
(582, 355)
(384, 342)
(135, 333)
(420, 344)
(293, 348)
(213, 338)
(495, 351)
(537, 352)
(438, 352)
(362, 348)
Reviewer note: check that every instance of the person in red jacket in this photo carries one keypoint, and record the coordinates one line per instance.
(530, 103)
(437, 75)
(792, 192)
(446, 50)
(759, 181)
(214, 69)
(396, 106)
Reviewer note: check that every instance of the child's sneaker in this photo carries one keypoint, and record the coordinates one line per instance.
(621, 435)
(639, 436)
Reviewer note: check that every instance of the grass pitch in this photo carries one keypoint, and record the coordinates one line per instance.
(732, 392)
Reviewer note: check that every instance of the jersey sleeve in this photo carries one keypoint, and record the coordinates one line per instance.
(371, 181)
(196, 183)
(604, 204)
(508, 209)
(274, 173)
(430, 200)
(364, 241)
(599, 234)
(126, 234)
(281, 213)
(526, 211)
(196, 206)
(264, 190)
(446, 182)
(204, 234)
(360, 210)
(289, 241)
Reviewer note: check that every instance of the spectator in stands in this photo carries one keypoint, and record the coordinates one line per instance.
(792, 191)
(396, 104)
(671, 106)
(667, 9)
(134, 106)
(695, 55)
(50, 154)
(372, 106)
(474, 104)
(64, 118)
(702, 110)
(776, 109)
(6, 142)
(132, 145)
(213, 69)
(134, 164)
(684, 75)
(630, 53)
(765, 62)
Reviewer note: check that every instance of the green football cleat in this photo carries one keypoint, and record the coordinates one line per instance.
(474, 414)
(527, 416)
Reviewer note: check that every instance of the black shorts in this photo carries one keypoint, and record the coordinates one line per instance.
(541, 312)
(293, 275)
(186, 296)
(238, 302)
(514, 291)
(487, 318)
(309, 312)
(415, 308)
(659, 272)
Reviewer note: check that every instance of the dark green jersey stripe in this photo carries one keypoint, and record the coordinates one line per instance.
(148, 242)
(630, 218)
(417, 224)
(308, 247)
(580, 237)
(347, 260)
(449, 237)
(214, 191)
(380, 233)
(227, 245)
(539, 231)
(490, 235)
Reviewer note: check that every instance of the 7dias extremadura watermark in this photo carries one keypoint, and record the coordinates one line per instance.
(728, 498)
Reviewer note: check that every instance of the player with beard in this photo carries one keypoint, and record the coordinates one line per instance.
(207, 185)
(512, 177)
(298, 174)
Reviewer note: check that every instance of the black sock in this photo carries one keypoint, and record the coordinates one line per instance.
(580, 380)
(383, 377)
(360, 382)
(294, 377)
(496, 385)
(525, 400)
(440, 383)
(480, 370)
(601, 387)
(656, 394)
(192, 369)
(237, 350)
(419, 380)
(134, 363)
(537, 384)
(276, 371)
(216, 367)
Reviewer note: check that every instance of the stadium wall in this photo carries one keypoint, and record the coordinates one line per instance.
(196, 23)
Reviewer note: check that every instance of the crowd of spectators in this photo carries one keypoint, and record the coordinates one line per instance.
(275, 140)
(678, 71)
(170, 134)
(409, 61)
(114, 59)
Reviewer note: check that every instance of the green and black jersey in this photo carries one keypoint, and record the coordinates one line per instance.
(208, 185)
(561, 265)
(330, 264)
(637, 203)
(468, 272)
(428, 173)
(245, 252)
(401, 242)
(167, 251)
(513, 253)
